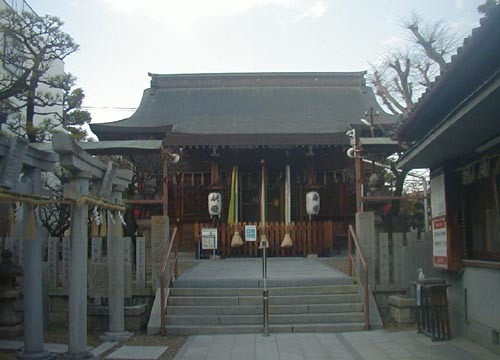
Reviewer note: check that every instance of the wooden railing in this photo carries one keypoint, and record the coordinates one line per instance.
(308, 237)
(164, 289)
(366, 298)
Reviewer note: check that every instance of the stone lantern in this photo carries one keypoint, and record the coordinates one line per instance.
(10, 323)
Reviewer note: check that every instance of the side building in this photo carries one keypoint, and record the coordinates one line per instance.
(454, 130)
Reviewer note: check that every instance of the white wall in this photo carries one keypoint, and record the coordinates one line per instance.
(481, 317)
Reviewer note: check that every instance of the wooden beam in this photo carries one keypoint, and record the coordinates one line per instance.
(164, 198)
(358, 164)
(143, 202)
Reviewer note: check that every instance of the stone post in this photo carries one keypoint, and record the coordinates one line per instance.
(365, 231)
(116, 283)
(77, 349)
(83, 167)
(32, 283)
(160, 238)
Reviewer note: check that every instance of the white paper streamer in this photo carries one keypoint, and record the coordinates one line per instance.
(18, 212)
(97, 216)
(122, 220)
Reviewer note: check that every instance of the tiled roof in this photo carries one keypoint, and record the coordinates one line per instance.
(249, 104)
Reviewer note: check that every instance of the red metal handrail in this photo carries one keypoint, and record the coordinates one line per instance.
(164, 267)
(353, 238)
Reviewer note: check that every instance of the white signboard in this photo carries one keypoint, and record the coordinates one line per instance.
(439, 243)
(438, 199)
(209, 238)
(251, 232)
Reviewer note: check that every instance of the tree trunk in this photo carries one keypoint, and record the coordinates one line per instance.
(30, 109)
(30, 115)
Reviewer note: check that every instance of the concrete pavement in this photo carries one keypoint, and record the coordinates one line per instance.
(366, 345)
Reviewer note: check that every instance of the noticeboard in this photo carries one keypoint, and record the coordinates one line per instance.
(438, 198)
(208, 238)
(439, 243)
(250, 233)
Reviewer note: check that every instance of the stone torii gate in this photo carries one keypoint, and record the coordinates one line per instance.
(20, 179)
(108, 183)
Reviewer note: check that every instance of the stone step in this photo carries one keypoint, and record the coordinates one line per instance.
(273, 309)
(258, 283)
(257, 300)
(216, 320)
(253, 329)
(278, 291)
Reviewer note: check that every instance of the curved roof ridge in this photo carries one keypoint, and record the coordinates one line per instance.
(257, 79)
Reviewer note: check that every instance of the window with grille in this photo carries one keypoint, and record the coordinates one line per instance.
(481, 210)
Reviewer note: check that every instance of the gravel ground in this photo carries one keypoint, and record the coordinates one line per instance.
(60, 336)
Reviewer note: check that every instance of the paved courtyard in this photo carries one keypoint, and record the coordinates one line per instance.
(366, 345)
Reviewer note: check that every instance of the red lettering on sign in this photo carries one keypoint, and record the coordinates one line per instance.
(439, 260)
(439, 224)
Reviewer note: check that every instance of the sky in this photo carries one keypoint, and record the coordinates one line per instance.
(121, 41)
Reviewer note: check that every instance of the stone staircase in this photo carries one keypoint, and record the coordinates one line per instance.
(294, 306)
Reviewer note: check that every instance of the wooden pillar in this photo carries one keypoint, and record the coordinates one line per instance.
(358, 164)
(165, 182)
(214, 175)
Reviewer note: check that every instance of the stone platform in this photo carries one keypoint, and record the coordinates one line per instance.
(247, 273)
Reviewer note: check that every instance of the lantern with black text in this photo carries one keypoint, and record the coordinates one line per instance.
(214, 204)
(312, 203)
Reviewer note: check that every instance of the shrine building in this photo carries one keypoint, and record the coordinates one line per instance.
(235, 134)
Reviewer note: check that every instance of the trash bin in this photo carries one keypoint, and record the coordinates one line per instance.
(432, 305)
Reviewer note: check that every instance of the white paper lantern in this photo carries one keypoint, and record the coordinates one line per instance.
(214, 204)
(312, 203)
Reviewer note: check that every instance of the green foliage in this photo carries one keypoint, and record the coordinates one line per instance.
(488, 7)
(413, 214)
(73, 118)
(33, 44)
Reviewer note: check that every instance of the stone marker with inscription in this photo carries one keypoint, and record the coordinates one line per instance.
(66, 258)
(140, 262)
(53, 261)
(160, 234)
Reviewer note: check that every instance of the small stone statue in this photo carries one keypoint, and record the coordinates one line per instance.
(8, 271)
(10, 323)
